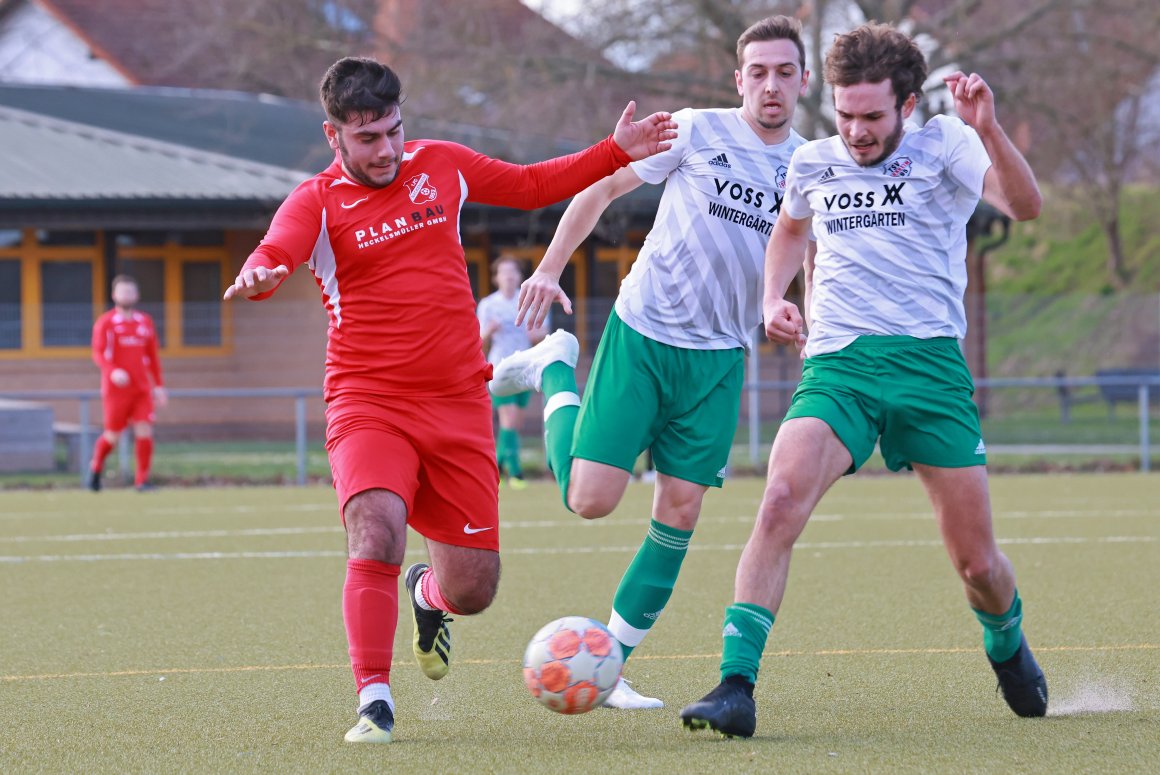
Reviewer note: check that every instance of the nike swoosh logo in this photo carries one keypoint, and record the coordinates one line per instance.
(346, 206)
(473, 530)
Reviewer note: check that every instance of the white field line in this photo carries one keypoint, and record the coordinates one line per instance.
(163, 534)
(170, 511)
(522, 524)
(666, 657)
(555, 550)
(332, 508)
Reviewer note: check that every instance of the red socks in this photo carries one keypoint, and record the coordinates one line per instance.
(370, 609)
(433, 595)
(144, 460)
(100, 452)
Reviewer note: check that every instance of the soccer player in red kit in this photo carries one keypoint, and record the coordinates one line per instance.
(125, 349)
(409, 431)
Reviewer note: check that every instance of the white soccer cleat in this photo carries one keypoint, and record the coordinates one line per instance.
(524, 371)
(624, 697)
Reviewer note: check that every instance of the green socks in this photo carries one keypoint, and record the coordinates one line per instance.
(561, 405)
(743, 639)
(648, 584)
(508, 451)
(1002, 633)
(747, 626)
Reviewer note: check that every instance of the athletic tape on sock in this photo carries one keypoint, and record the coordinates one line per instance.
(559, 401)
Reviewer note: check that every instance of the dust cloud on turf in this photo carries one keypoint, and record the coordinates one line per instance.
(1099, 695)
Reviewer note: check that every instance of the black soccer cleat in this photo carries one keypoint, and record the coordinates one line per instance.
(728, 709)
(1022, 682)
(375, 724)
(95, 481)
(432, 641)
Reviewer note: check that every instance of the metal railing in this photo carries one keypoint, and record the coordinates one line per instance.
(1145, 387)
(85, 397)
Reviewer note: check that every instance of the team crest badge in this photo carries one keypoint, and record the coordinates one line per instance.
(420, 190)
(782, 171)
(899, 168)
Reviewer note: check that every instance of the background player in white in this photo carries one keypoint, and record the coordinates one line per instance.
(889, 205)
(503, 337)
(669, 370)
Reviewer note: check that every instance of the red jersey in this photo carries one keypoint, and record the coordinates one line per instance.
(390, 263)
(127, 342)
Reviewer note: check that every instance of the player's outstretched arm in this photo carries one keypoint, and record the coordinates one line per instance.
(542, 288)
(256, 281)
(640, 139)
(784, 255)
(1009, 184)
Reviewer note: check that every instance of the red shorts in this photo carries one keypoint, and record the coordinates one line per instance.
(436, 453)
(126, 405)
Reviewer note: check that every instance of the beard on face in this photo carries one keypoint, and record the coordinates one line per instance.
(359, 175)
(889, 145)
(772, 124)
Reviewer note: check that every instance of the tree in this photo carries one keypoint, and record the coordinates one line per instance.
(1072, 75)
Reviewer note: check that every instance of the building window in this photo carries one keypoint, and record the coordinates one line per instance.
(66, 303)
(54, 284)
(180, 275)
(201, 303)
(11, 324)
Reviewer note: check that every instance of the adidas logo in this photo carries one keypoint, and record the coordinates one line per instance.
(724, 472)
(829, 173)
(653, 616)
(981, 449)
(720, 160)
(731, 631)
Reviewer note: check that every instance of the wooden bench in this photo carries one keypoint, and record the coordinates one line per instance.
(1128, 394)
(77, 443)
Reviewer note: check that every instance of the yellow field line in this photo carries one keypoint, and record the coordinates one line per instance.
(396, 663)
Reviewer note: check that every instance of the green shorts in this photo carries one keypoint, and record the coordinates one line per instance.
(911, 395)
(519, 399)
(682, 403)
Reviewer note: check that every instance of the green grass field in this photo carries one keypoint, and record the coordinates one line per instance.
(199, 630)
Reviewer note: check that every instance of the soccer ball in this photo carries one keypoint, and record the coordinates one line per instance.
(572, 664)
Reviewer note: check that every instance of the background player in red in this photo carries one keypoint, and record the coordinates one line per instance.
(125, 349)
(409, 430)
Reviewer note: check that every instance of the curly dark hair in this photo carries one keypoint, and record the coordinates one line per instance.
(359, 88)
(871, 54)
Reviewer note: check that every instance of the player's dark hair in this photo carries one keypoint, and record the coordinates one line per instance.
(359, 88)
(773, 28)
(122, 279)
(871, 54)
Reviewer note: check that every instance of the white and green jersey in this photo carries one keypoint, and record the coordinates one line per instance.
(697, 281)
(891, 238)
(508, 338)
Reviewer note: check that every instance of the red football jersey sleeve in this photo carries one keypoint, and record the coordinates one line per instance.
(389, 261)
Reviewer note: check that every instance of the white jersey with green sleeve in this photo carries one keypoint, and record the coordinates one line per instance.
(891, 237)
(508, 338)
(697, 281)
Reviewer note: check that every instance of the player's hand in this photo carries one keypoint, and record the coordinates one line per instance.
(974, 100)
(537, 293)
(643, 138)
(119, 377)
(253, 282)
(783, 323)
(160, 396)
